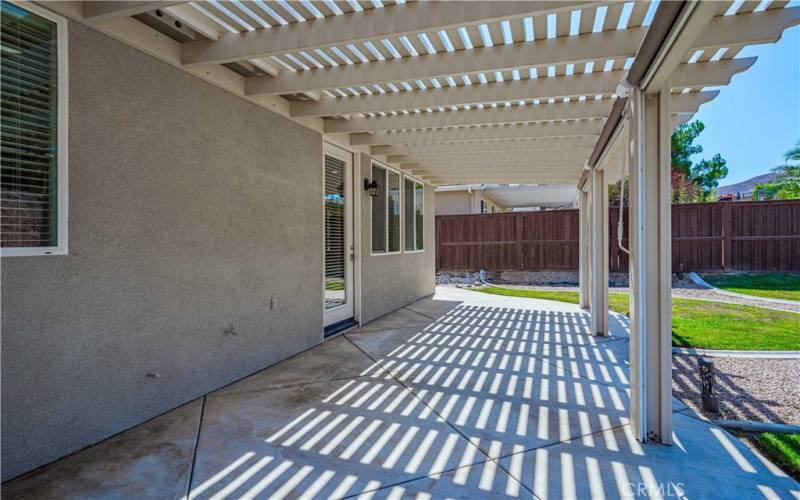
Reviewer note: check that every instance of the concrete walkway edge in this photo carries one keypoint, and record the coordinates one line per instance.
(737, 354)
(697, 280)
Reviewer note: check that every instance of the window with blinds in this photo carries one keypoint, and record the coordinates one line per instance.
(32, 157)
(386, 211)
(413, 225)
(335, 227)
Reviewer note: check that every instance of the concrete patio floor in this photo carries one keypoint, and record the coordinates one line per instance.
(462, 395)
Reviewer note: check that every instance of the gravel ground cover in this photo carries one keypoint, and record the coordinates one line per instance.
(764, 390)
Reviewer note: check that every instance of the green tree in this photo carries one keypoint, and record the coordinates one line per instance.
(786, 185)
(691, 183)
(706, 175)
(683, 146)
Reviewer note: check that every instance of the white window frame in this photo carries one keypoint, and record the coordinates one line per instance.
(413, 215)
(386, 215)
(62, 194)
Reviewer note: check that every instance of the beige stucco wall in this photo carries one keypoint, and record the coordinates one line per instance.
(189, 210)
(464, 202)
(453, 202)
(393, 281)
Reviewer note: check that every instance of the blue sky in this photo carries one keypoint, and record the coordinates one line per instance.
(756, 118)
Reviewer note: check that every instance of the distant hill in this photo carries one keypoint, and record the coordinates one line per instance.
(745, 187)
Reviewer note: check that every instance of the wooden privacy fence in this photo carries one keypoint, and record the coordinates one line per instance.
(758, 236)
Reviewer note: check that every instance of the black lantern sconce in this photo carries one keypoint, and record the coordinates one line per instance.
(371, 187)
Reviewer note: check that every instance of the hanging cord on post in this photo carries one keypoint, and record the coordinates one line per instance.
(621, 206)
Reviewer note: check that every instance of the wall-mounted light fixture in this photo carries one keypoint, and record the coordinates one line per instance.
(371, 187)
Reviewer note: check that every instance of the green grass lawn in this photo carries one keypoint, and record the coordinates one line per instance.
(775, 286)
(702, 323)
(783, 449)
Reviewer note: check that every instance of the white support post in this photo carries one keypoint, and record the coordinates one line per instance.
(583, 249)
(599, 254)
(650, 266)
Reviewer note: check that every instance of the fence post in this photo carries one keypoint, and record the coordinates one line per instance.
(518, 237)
(727, 223)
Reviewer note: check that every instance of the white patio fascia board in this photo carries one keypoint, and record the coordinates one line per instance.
(104, 10)
(691, 22)
(371, 24)
(561, 129)
(573, 110)
(617, 44)
(500, 145)
(537, 88)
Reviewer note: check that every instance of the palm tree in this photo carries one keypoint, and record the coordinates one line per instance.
(786, 186)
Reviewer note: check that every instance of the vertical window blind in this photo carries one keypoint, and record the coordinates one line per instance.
(393, 210)
(408, 207)
(419, 214)
(414, 224)
(29, 169)
(335, 238)
(379, 211)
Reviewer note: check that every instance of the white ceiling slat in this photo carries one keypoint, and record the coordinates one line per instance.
(540, 27)
(580, 143)
(531, 177)
(616, 44)
(612, 16)
(541, 88)
(747, 6)
(562, 23)
(467, 134)
(587, 20)
(367, 25)
(638, 14)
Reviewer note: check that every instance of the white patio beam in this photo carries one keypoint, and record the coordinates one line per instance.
(746, 29)
(582, 144)
(105, 10)
(573, 110)
(722, 31)
(701, 74)
(617, 44)
(490, 156)
(537, 88)
(489, 132)
(599, 253)
(501, 166)
(531, 178)
(371, 24)
(708, 74)
(584, 248)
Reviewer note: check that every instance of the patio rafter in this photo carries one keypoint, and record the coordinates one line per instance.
(371, 24)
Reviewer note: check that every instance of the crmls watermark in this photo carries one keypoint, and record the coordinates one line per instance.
(665, 490)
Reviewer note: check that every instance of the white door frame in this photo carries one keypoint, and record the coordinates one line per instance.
(347, 310)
